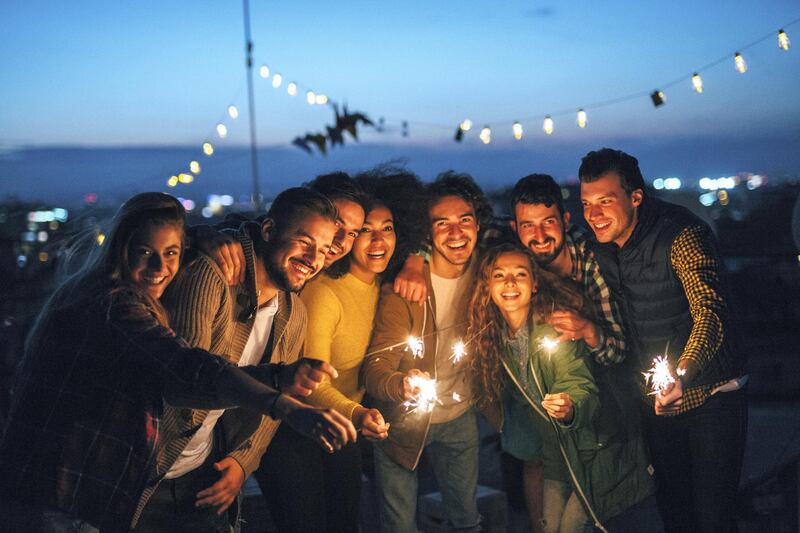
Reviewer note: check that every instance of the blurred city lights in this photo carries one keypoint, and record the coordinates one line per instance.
(100, 239)
(672, 184)
(658, 184)
(709, 184)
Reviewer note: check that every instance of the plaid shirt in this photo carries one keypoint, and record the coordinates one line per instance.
(87, 432)
(586, 271)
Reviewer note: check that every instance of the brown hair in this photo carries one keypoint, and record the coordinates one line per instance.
(486, 323)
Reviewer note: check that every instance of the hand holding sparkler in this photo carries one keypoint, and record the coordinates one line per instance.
(371, 423)
(411, 383)
(423, 392)
(559, 406)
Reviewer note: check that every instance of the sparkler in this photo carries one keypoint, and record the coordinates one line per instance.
(459, 351)
(426, 398)
(416, 346)
(659, 376)
(549, 345)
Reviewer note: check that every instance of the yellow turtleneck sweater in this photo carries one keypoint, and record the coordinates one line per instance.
(340, 316)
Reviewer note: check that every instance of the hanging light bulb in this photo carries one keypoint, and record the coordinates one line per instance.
(547, 125)
(194, 167)
(697, 81)
(311, 98)
(264, 71)
(172, 181)
(321, 99)
(233, 112)
(516, 128)
(208, 149)
(185, 178)
(466, 125)
(581, 118)
(222, 130)
(740, 63)
(292, 89)
(277, 79)
(486, 135)
(658, 98)
(783, 40)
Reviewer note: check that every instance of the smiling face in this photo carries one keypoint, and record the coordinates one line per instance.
(541, 229)
(154, 257)
(351, 218)
(608, 209)
(511, 285)
(454, 234)
(299, 253)
(374, 246)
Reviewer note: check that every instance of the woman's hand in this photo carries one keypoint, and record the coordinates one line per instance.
(226, 251)
(371, 423)
(559, 406)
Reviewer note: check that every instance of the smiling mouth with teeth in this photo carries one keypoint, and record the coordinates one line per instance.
(457, 245)
(303, 268)
(376, 255)
(154, 280)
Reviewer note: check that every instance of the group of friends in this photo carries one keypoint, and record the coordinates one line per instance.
(181, 360)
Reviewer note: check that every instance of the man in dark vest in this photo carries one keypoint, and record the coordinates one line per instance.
(662, 265)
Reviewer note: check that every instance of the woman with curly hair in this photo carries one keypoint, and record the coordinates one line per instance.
(595, 469)
(341, 305)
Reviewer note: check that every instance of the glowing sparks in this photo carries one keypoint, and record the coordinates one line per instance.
(416, 346)
(659, 376)
(456, 397)
(426, 398)
(459, 351)
(549, 345)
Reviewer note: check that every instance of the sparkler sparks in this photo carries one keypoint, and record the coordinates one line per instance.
(659, 376)
(549, 345)
(456, 397)
(459, 351)
(416, 346)
(426, 398)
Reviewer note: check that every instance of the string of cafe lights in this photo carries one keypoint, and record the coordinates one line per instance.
(658, 98)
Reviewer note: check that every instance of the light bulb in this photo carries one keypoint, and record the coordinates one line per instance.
(486, 135)
(783, 40)
(466, 125)
(547, 125)
(208, 149)
(277, 79)
(233, 112)
(311, 98)
(740, 63)
(222, 130)
(697, 81)
(581, 118)
(194, 167)
(516, 128)
(292, 89)
(264, 71)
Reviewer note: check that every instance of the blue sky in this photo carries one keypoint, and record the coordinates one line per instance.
(152, 73)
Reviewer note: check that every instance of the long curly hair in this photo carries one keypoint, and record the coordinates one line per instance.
(486, 322)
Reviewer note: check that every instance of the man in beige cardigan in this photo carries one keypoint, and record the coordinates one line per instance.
(258, 321)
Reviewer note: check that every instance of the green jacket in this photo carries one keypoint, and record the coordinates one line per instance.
(601, 452)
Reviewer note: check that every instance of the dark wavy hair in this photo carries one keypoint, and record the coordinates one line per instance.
(486, 323)
(340, 186)
(537, 189)
(451, 183)
(402, 193)
(605, 160)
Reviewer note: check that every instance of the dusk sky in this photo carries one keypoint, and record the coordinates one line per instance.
(144, 74)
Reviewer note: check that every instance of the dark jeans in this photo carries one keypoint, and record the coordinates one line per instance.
(307, 489)
(171, 508)
(698, 461)
(20, 516)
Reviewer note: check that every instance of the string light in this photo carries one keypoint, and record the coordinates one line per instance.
(292, 89)
(222, 130)
(740, 63)
(101, 238)
(208, 149)
(658, 98)
(427, 397)
(581, 118)
(194, 167)
(459, 351)
(466, 125)
(264, 71)
(277, 79)
(321, 99)
(416, 346)
(185, 178)
(172, 181)
(697, 81)
(783, 40)
(311, 98)
(486, 135)
(517, 129)
(547, 125)
(233, 112)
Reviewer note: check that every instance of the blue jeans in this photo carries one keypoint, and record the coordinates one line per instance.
(562, 511)
(640, 518)
(452, 449)
(20, 516)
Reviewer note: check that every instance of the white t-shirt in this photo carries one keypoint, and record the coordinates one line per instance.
(196, 451)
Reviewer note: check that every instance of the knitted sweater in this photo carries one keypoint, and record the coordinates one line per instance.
(340, 315)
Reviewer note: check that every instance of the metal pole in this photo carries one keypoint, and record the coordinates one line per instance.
(256, 199)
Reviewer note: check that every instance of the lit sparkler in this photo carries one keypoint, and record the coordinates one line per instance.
(659, 376)
(459, 351)
(416, 346)
(426, 398)
(549, 345)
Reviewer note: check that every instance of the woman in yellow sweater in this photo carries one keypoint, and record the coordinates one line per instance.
(341, 306)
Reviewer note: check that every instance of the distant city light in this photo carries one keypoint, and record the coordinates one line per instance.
(194, 167)
(100, 239)
(547, 125)
(60, 214)
(22, 260)
(277, 79)
(658, 184)
(311, 98)
(264, 71)
(755, 181)
(723, 197)
(709, 184)
(697, 82)
(783, 40)
(43, 257)
(466, 125)
(207, 213)
(222, 130)
(292, 89)
(741, 64)
(581, 118)
(672, 184)
(208, 148)
(29, 236)
(486, 135)
(90, 198)
(233, 112)
(708, 199)
(226, 200)
(517, 130)
(42, 236)
(187, 203)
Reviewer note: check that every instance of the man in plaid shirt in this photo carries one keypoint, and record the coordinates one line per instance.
(662, 265)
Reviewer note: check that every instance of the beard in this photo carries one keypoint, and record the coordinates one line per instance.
(277, 274)
(544, 259)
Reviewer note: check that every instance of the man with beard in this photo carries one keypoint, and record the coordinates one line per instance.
(259, 318)
(663, 265)
(446, 429)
